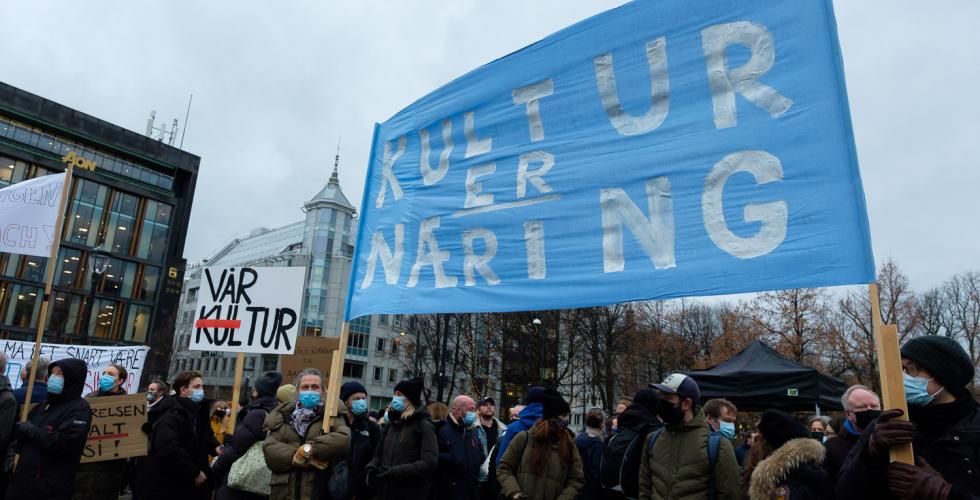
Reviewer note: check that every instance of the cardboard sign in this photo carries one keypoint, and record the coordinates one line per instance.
(315, 352)
(116, 428)
(249, 309)
(19, 354)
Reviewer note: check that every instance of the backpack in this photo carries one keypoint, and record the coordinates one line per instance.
(619, 467)
(714, 443)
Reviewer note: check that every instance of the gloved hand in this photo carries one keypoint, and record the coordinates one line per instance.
(369, 473)
(888, 432)
(24, 429)
(383, 475)
(922, 482)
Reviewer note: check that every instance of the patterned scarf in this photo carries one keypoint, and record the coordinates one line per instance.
(301, 420)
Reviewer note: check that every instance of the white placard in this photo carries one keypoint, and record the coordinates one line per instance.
(19, 354)
(28, 213)
(248, 309)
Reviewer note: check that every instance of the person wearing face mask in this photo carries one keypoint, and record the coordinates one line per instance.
(364, 438)
(220, 420)
(721, 414)
(543, 463)
(155, 393)
(944, 430)
(298, 448)
(460, 452)
(861, 407)
(177, 465)
(405, 461)
(590, 444)
(248, 431)
(103, 480)
(681, 460)
(51, 441)
(819, 427)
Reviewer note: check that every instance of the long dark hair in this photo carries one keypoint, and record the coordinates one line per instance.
(760, 450)
(543, 437)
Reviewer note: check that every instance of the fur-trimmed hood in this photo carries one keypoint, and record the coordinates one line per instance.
(777, 467)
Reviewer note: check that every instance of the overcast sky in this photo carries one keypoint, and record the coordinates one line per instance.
(277, 83)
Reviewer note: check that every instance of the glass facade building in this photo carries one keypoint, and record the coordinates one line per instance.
(130, 197)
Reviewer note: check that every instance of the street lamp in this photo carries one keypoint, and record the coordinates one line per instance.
(545, 372)
(98, 262)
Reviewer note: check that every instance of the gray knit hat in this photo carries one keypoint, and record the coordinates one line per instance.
(942, 357)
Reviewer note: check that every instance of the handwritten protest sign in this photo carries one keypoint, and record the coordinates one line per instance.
(116, 428)
(28, 214)
(249, 309)
(657, 150)
(97, 358)
(315, 352)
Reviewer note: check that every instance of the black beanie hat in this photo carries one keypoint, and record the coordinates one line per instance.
(554, 405)
(351, 388)
(777, 427)
(534, 395)
(268, 384)
(649, 399)
(412, 389)
(944, 358)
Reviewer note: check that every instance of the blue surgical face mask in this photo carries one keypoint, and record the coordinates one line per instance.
(106, 382)
(197, 396)
(917, 390)
(56, 383)
(727, 429)
(358, 407)
(309, 399)
(469, 418)
(398, 403)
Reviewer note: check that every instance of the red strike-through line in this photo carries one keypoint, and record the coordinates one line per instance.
(108, 436)
(218, 323)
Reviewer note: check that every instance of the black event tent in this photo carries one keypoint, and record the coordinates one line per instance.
(758, 378)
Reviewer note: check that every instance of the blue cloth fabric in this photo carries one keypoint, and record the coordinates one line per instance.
(38, 395)
(527, 418)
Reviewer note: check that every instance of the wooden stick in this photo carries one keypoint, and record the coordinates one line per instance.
(333, 384)
(49, 279)
(236, 391)
(890, 373)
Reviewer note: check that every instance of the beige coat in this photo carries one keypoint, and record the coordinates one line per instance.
(283, 441)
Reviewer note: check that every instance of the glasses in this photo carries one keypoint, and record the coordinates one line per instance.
(911, 368)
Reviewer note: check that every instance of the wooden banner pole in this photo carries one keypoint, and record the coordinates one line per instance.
(236, 391)
(336, 375)
(46, 299)
(890, 372)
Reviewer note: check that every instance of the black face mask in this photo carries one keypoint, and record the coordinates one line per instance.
(817, 435)
(669, 412)
(864, 418)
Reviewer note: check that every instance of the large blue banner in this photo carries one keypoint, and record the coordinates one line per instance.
(661, 149)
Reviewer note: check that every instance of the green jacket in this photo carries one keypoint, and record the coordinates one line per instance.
(289, 482)
(557, 483)
(676, 468)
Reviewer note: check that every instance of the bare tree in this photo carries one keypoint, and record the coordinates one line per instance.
(793, 320)
(962, 296)
(604, 333)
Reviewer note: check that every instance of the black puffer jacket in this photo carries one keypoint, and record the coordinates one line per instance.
(460, 458)
(100, 480)
(948, 437)
(8, 415)
(409, 453)
(364, 438)
(248, 431)
(179, 445)
(51, 443)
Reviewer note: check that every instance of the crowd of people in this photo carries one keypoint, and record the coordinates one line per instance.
(661, 443)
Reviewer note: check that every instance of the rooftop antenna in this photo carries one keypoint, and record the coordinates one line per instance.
(334, 178)
(186, 117)
(149, 123)
(164, 134)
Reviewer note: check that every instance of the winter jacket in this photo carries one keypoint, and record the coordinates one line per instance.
(38, 395)
(792, 472)
(248, 431)
(180, 442)
(100, 480)
(290, 482)
(635, 422)
(676, 467)
(364, 438)
(525, 420)
(590, 450)
(460, 458)
(838, 447)
(952, 449)
(51, 446)
(516, 475)
(408, 456)
(8, 415)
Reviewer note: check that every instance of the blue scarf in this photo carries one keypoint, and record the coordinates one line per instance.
(850, 428)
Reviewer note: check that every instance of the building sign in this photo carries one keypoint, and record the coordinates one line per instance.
(78, 161)
(248, 309)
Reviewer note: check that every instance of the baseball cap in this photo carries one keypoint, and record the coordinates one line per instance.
(680, 384)
(487, 399)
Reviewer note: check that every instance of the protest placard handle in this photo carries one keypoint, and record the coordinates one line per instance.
(333, 383)
(49, 278)
(236, 391)
(890, 372)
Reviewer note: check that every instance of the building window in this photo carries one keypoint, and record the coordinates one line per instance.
(149, 283)
(377, 373)
(118, 278)
(11, 171)
(392, 375)
(382, 319)
(353, 370)
(122, 220)
(394, 346)
(398, 320)
(270, 363)
(106, 319)
(85, 217)
(192, 295)
(138, 323)
(23, 305)
(381, 345)
(64, 316)
(360, 325)
(156, 225)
